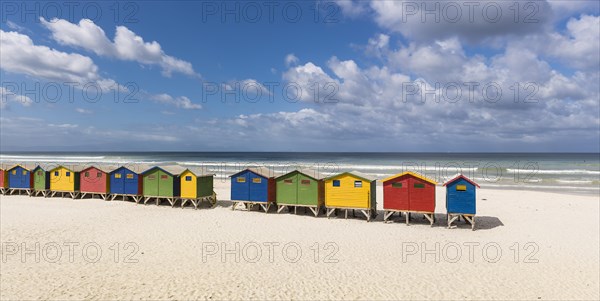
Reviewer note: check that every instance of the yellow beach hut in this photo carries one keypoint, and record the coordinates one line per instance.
(351, 191)
(64, 179)
(196, 187)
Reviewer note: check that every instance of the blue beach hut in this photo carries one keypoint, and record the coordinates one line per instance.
(126, 181)
(461, 199)
(253, 186)
(19, 179)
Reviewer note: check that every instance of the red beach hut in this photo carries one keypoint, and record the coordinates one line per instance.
(94, 180)
(409, 192)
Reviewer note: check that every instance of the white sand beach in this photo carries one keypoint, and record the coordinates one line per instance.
(549, 246)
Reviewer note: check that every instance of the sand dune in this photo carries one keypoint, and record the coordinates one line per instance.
(167, 253)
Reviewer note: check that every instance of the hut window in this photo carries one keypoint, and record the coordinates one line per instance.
(336, 183)
(117, 176)
(68, 173)
(461, 187)
(39, 173)
(14, 172)
(56, 173)
(241, 180)
(87, 174)
(163, 177)
(98, 175)
(305, 182)
(256, 180)
(188, 178)
(357, 184)
(419, 185)
(288, 181)
(24, 172)
(152, 177)
(397, 185)
(129, 176)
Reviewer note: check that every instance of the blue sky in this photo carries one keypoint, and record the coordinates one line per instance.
(373, 61)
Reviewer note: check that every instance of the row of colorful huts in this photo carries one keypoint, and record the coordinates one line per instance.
(406, 192)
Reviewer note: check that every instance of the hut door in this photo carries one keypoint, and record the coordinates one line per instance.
(129, 182)
(258, 188)
(420, 196)
(151, 184)
(287, 191)
(401, 190)
(307, 191)
(23, 178)
(240, 188)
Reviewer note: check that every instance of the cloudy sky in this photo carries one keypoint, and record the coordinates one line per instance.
(301, 76)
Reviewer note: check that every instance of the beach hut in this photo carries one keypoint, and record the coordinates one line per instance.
(162, 183)
(351, 191)
(94, 181)
(19, 179)
(126, 182)
(253, 186)
(64, 180)
(300, 188)
(461, 199)
(41, 180)
(407, 193)
(196, 187)
(3, 179)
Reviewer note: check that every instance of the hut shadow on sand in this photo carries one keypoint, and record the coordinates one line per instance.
(482, 222)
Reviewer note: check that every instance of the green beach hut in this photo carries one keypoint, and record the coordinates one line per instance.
(300, 188)
(41, 180)
(162, 183)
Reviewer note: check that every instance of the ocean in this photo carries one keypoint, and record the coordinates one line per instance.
(559, 172)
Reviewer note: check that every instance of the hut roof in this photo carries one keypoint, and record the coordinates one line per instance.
(137, 168)
(27, 166)
(44, 166)
(307, 172)
(103, 168)
(460, 176)
(357, 174)
(261, 171)
(173, 170)
(71, 167)
(199, 172)
(411, 173)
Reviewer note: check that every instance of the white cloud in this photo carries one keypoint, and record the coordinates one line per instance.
(14, 26)
(7, 96)
(291, 60)
(21, 55)
(127, 45)
(181, 102)
(83, 111)
(470, 20)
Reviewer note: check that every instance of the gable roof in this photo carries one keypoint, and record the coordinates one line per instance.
(136, 168)
(74, 168)
(460, 176)
(354, 173)
(311, 173)
(102, 168)
(173, 170)
(26, 166)
(261, 171)
(198, 172)
(410, 173)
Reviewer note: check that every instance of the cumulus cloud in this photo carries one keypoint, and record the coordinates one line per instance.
(472, 21)
(127, 45)
(7, 96)
(21, 55)
(291, 60)
(181, 102)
